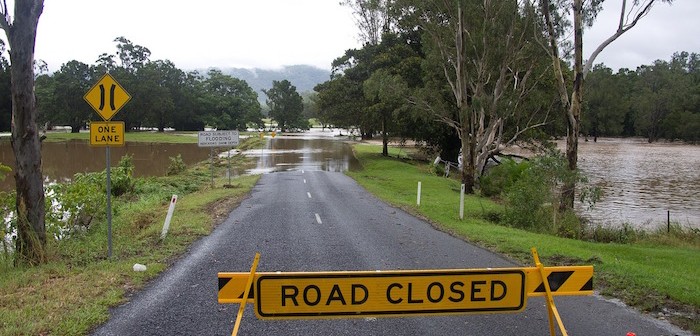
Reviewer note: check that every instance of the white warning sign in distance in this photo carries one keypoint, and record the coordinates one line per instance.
(217, 139)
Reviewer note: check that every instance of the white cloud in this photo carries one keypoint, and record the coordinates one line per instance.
(274, 33)
(261, 33)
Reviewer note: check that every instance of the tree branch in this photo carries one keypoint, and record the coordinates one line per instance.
(621, 29)
(5, 18)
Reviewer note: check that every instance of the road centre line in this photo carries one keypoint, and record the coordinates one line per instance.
(308, 194)
(318, 219)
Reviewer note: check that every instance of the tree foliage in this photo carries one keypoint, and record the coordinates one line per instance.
(661, 100)
(286, 106)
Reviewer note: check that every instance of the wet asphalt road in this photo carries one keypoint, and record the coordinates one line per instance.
(356, 232)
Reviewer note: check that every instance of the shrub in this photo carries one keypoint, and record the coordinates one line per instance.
(533, 198)
(122, 178)
(176, 166)
(501, 177)
(73, 206)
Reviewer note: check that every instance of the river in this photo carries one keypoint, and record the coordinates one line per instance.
(642, 183)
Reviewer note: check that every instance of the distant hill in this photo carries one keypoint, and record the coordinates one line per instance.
(304, 77)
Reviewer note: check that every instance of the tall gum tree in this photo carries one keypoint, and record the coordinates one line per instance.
(483, 49)
(554, 13)
(26, 145)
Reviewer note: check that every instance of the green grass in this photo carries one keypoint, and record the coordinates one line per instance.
(145, 136)
(71, 294)
(647, 274)
(164, 137)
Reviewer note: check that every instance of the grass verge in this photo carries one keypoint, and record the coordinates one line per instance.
(658, 278)
(71, 294)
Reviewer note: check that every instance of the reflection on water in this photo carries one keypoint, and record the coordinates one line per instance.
(61, 160)
(307, 153)
(642, 181)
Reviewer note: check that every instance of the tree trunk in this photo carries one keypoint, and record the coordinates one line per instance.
(573, 116)
(31, 230)
(468, 159)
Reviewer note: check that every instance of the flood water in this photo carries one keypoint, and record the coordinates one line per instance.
(642, 182)
(303, 153)
(62, 160)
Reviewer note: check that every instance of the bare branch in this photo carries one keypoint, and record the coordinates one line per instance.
(5, 17)
(622, 28)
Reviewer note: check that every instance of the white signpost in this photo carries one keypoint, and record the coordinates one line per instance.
(218, 139)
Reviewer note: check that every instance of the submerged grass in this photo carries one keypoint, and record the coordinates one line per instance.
(657, 275)
(71, 294)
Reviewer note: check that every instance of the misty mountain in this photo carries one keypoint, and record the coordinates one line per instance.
(304, 77)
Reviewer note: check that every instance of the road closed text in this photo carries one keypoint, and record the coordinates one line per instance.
(390, 293)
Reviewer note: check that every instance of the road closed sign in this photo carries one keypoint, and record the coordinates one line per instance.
(364, 294)
(217, 139)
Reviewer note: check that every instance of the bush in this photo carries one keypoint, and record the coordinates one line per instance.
(532, 199)
(501, 177)
(176, 166)
(73, 206)
(122, 177)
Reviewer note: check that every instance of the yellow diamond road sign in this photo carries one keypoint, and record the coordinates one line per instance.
(107, 97)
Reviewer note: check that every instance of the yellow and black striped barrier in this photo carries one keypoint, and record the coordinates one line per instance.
(312, 295)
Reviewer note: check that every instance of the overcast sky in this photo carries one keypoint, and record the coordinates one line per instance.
(274, 33)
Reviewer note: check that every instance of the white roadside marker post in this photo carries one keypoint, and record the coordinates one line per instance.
(418, 198)
(461, 203)
(168, 217)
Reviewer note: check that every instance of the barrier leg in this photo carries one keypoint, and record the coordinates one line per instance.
(241, 309)
(551, 308)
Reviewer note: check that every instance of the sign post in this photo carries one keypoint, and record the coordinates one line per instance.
(217, 139)
(107, 97)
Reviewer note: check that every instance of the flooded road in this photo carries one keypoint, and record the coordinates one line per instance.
(642, 182)
(311, 153)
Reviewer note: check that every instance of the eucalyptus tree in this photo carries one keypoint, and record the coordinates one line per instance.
(5, 91)
(160, 82)
(65, 104)
(131, 60)
(190, 113)
(230, 103)
(605, 104)
(340, 102)
(557, 29)
(388, 93)
(286, 106)
(373, 18)
(30, 208)
(483, 50)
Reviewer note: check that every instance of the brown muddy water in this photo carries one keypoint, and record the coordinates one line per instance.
(303, 153)
(642, 183)
(62, 160)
